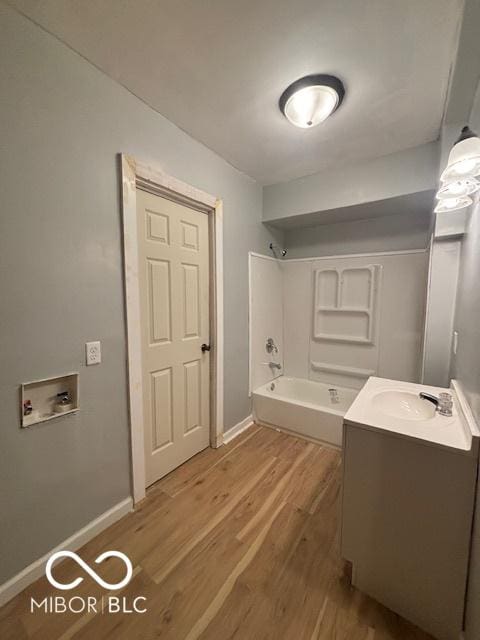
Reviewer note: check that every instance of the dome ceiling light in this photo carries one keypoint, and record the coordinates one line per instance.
(310, 100)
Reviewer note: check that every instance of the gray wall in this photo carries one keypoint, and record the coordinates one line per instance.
(62, 122)
(444, 268)
(442, 290)
(405, 172)
(466, 368)
(465, 73)
(388, 233)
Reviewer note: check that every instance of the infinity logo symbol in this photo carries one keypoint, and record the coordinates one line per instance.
(91, 572)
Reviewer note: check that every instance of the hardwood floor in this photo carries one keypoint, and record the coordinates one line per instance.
(239, 542)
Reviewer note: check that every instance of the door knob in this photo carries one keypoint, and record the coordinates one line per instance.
(205, 347)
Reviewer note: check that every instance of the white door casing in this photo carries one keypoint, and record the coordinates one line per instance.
(135, 173)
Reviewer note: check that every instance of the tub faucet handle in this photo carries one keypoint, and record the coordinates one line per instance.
(270, 346)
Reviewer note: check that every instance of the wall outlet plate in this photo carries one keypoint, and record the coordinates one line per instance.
(93, 352)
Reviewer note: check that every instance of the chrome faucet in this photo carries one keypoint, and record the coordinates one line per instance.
(270, 346)
(430, 397)
(443, 404)
(273, 365)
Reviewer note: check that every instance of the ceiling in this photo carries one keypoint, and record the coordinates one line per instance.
(216, 68)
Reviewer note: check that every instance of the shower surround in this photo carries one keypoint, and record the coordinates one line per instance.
(336, 321)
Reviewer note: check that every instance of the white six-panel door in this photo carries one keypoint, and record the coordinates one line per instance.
(174, 310)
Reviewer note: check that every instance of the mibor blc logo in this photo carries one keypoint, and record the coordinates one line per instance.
(103, 556)
(89, 604)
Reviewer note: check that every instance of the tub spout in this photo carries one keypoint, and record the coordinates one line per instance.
(273, 365)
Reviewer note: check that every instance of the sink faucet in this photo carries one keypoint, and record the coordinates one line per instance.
(443, 404)
(430, 397)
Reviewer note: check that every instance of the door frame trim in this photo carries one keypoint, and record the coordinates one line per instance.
(135, 174)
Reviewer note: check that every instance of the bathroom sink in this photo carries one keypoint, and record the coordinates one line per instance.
(404, 405)
(394, 406)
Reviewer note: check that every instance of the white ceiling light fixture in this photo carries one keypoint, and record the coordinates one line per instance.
(310, 100)
(453, 204)
(464, 158)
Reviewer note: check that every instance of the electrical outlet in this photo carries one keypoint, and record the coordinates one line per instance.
(93, 352)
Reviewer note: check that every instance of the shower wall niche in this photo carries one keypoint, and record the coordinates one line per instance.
(344, 345)
(345, 304)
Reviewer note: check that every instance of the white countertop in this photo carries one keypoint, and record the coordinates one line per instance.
(450, 432)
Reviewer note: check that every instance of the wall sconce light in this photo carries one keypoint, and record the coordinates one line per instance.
(458, 178)
(453, 204)
(458, 188)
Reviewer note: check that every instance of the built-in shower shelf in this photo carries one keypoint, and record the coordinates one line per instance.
(343, 309)
(355, 372)
(345, 304)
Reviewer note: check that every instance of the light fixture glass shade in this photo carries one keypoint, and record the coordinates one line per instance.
(458, 188)
(463, 161)
(453, 204)
(310, 100)
(311, 106)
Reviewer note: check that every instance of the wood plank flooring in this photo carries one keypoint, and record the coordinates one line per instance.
(239, 542)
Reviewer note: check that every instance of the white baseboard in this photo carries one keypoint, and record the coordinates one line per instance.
(235, 431)
(36, 570)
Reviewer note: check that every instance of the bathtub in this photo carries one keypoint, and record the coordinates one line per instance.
(304, 407)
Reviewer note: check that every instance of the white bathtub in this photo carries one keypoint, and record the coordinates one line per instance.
(304, 407)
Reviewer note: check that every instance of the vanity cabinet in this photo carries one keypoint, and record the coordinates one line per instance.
(406, 524)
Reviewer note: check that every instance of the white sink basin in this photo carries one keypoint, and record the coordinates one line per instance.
(404, 405)
(394, 406)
